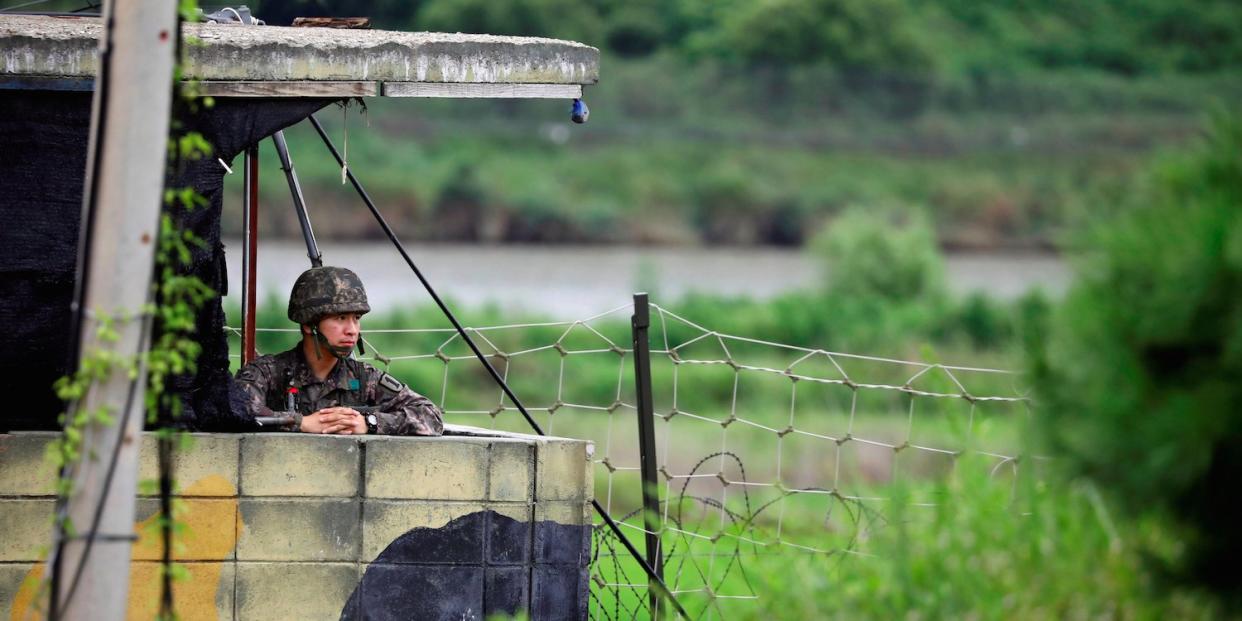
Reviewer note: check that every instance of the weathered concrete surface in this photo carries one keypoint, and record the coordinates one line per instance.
(299, 465)
(23, 471)
(267, 591)
(338, 527)
(27, 524)
(209, 530)
(209, 468)
(67, 48)
(205, 593)
(437, 469)
(385, 521)
(509, 476)
(564, 471)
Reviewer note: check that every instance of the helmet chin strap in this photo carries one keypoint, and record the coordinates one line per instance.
(322, 341)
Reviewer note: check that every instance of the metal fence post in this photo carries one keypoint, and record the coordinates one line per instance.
(640, 322)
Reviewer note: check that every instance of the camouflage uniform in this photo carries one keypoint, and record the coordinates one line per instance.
(267, 380)
(271, 381)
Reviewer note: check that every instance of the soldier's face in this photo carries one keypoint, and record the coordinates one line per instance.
(341, 330)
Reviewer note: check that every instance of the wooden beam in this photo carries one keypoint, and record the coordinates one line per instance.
(472, 90)
(299, 88)
(326, 88)
(45, 83)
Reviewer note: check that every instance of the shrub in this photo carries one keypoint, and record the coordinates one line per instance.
(885, 255)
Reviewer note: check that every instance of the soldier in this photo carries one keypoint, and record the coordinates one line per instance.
(319, 383)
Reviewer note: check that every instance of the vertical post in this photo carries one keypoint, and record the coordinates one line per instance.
(124, 188)
(250, 252)
(640, 323)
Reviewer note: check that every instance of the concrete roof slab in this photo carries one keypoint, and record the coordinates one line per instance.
(57, 47)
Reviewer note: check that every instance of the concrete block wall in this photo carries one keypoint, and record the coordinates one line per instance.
(329, 527)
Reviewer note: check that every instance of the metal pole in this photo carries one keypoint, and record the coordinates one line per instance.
(504, 386)
(299, 203)
(250, 251)
(640, 322)
(126, 163)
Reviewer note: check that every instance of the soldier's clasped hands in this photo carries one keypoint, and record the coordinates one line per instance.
(335, 420)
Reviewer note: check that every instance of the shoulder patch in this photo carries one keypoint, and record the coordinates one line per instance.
(390, 383)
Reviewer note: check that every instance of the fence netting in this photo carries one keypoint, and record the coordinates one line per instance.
(762, 448)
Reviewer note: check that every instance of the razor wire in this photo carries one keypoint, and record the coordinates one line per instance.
(763, 448)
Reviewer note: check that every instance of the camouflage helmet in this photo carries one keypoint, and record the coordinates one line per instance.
(321, 291)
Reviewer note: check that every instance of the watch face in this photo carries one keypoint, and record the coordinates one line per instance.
(371, 420)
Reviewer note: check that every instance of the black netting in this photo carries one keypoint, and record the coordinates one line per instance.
(43, 138)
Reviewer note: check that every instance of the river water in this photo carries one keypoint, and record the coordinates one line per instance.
(571, 282)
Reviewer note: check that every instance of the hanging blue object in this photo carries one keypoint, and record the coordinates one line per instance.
(580, 112)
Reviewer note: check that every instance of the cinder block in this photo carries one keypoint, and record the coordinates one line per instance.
(509, 473)
(210, 532)
(24, 469)
(570, 513)
(506, 592)
(432, 593)
(206, 593)
(509, 532)
(563, 533)
(299, 465)
(27, 528)
(299, 530)
(18, 585)
(564, 470)
(294, 590)
(208, 467)
(559, 593)
(422, 532)
(449, 468)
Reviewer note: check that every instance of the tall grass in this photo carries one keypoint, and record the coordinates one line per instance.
(991, 548)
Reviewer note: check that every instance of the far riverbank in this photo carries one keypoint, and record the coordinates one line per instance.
(567, 282)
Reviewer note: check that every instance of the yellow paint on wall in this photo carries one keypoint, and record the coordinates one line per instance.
(23, 604)
(205, 539)
(210, 526)
(194, 596)
(211, 485)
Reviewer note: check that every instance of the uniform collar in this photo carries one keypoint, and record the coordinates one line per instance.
(303, 376)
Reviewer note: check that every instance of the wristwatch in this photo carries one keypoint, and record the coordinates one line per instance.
(372, 424)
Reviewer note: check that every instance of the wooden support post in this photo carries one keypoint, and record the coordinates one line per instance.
(125, 180)
(250, 252)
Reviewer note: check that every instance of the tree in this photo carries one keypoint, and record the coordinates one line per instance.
(847, 34)
(561, 19)
(1138, 376)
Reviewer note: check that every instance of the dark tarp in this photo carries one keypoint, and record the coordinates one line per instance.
(43, 138)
